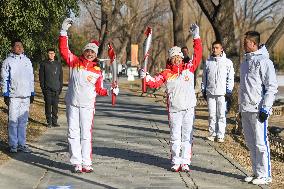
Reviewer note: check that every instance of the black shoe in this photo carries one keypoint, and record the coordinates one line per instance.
(13, 149)
(24, 149)
(48, 125)
(56, 125)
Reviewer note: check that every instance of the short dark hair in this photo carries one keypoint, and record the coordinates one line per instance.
(50, 49)
(15, 41)
(253, 36)
(185, 47)
(217, 42)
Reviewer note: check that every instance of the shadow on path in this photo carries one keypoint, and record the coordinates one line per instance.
(152, 160)
(53, 166)
(140, 128)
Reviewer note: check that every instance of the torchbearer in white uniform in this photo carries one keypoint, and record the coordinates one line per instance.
(85, 83)
(178, 78)
(258, 86)
(217, 87)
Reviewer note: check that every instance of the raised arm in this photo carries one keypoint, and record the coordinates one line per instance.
(197, 54)
(197, 48)
(66, 54)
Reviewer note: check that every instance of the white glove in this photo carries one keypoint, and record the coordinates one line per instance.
(149, 78)
(115, 90)
(143, 74)
(66, 24)
(194, 29)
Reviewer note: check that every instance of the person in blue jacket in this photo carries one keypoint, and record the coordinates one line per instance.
(18, 91)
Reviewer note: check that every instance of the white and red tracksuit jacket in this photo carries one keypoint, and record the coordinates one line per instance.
(85, 80)
(179, 81)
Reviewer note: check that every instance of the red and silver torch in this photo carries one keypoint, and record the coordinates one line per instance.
(146, 51)
(113, 63)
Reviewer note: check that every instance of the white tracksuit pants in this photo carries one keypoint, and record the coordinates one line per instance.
(217, 115)
(80, 124)
(181, 128)
(18, 120)
(256, 138)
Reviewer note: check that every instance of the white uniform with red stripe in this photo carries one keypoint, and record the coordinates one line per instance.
(85, 83)
(179, 81)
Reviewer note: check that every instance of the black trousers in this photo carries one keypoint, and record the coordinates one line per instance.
(51, 99)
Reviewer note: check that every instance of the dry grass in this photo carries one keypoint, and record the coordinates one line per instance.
(234, 146)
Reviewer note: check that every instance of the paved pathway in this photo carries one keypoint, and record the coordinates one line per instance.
(130, 150)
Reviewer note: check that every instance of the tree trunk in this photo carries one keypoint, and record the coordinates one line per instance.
(122, 49)
(275, 36)
(221, 17)
(104, 25)
(177, 7)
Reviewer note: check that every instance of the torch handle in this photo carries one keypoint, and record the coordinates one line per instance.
(113, 96)
(144, 87)
(113, 99)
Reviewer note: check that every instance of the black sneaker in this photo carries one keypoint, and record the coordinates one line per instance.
(56, 125)
(13, 149)
(24, 149)
(48, 124)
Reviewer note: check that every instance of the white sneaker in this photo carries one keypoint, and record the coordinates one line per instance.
(185, 168)
(262, 180)
(211, 138)
(175, 168)
(221, 140)
(249, 178)
(77, 168)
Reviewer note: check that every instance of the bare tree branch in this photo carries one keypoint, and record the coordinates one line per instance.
(93, 17)
(269, 6)
(209, 8)
(275, 36)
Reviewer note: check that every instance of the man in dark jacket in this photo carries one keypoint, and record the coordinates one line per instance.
(51, 82)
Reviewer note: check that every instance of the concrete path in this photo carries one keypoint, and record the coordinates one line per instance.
(130, 150)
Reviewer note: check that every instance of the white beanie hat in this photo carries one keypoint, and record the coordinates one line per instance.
(175, 51)
(94, 46)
